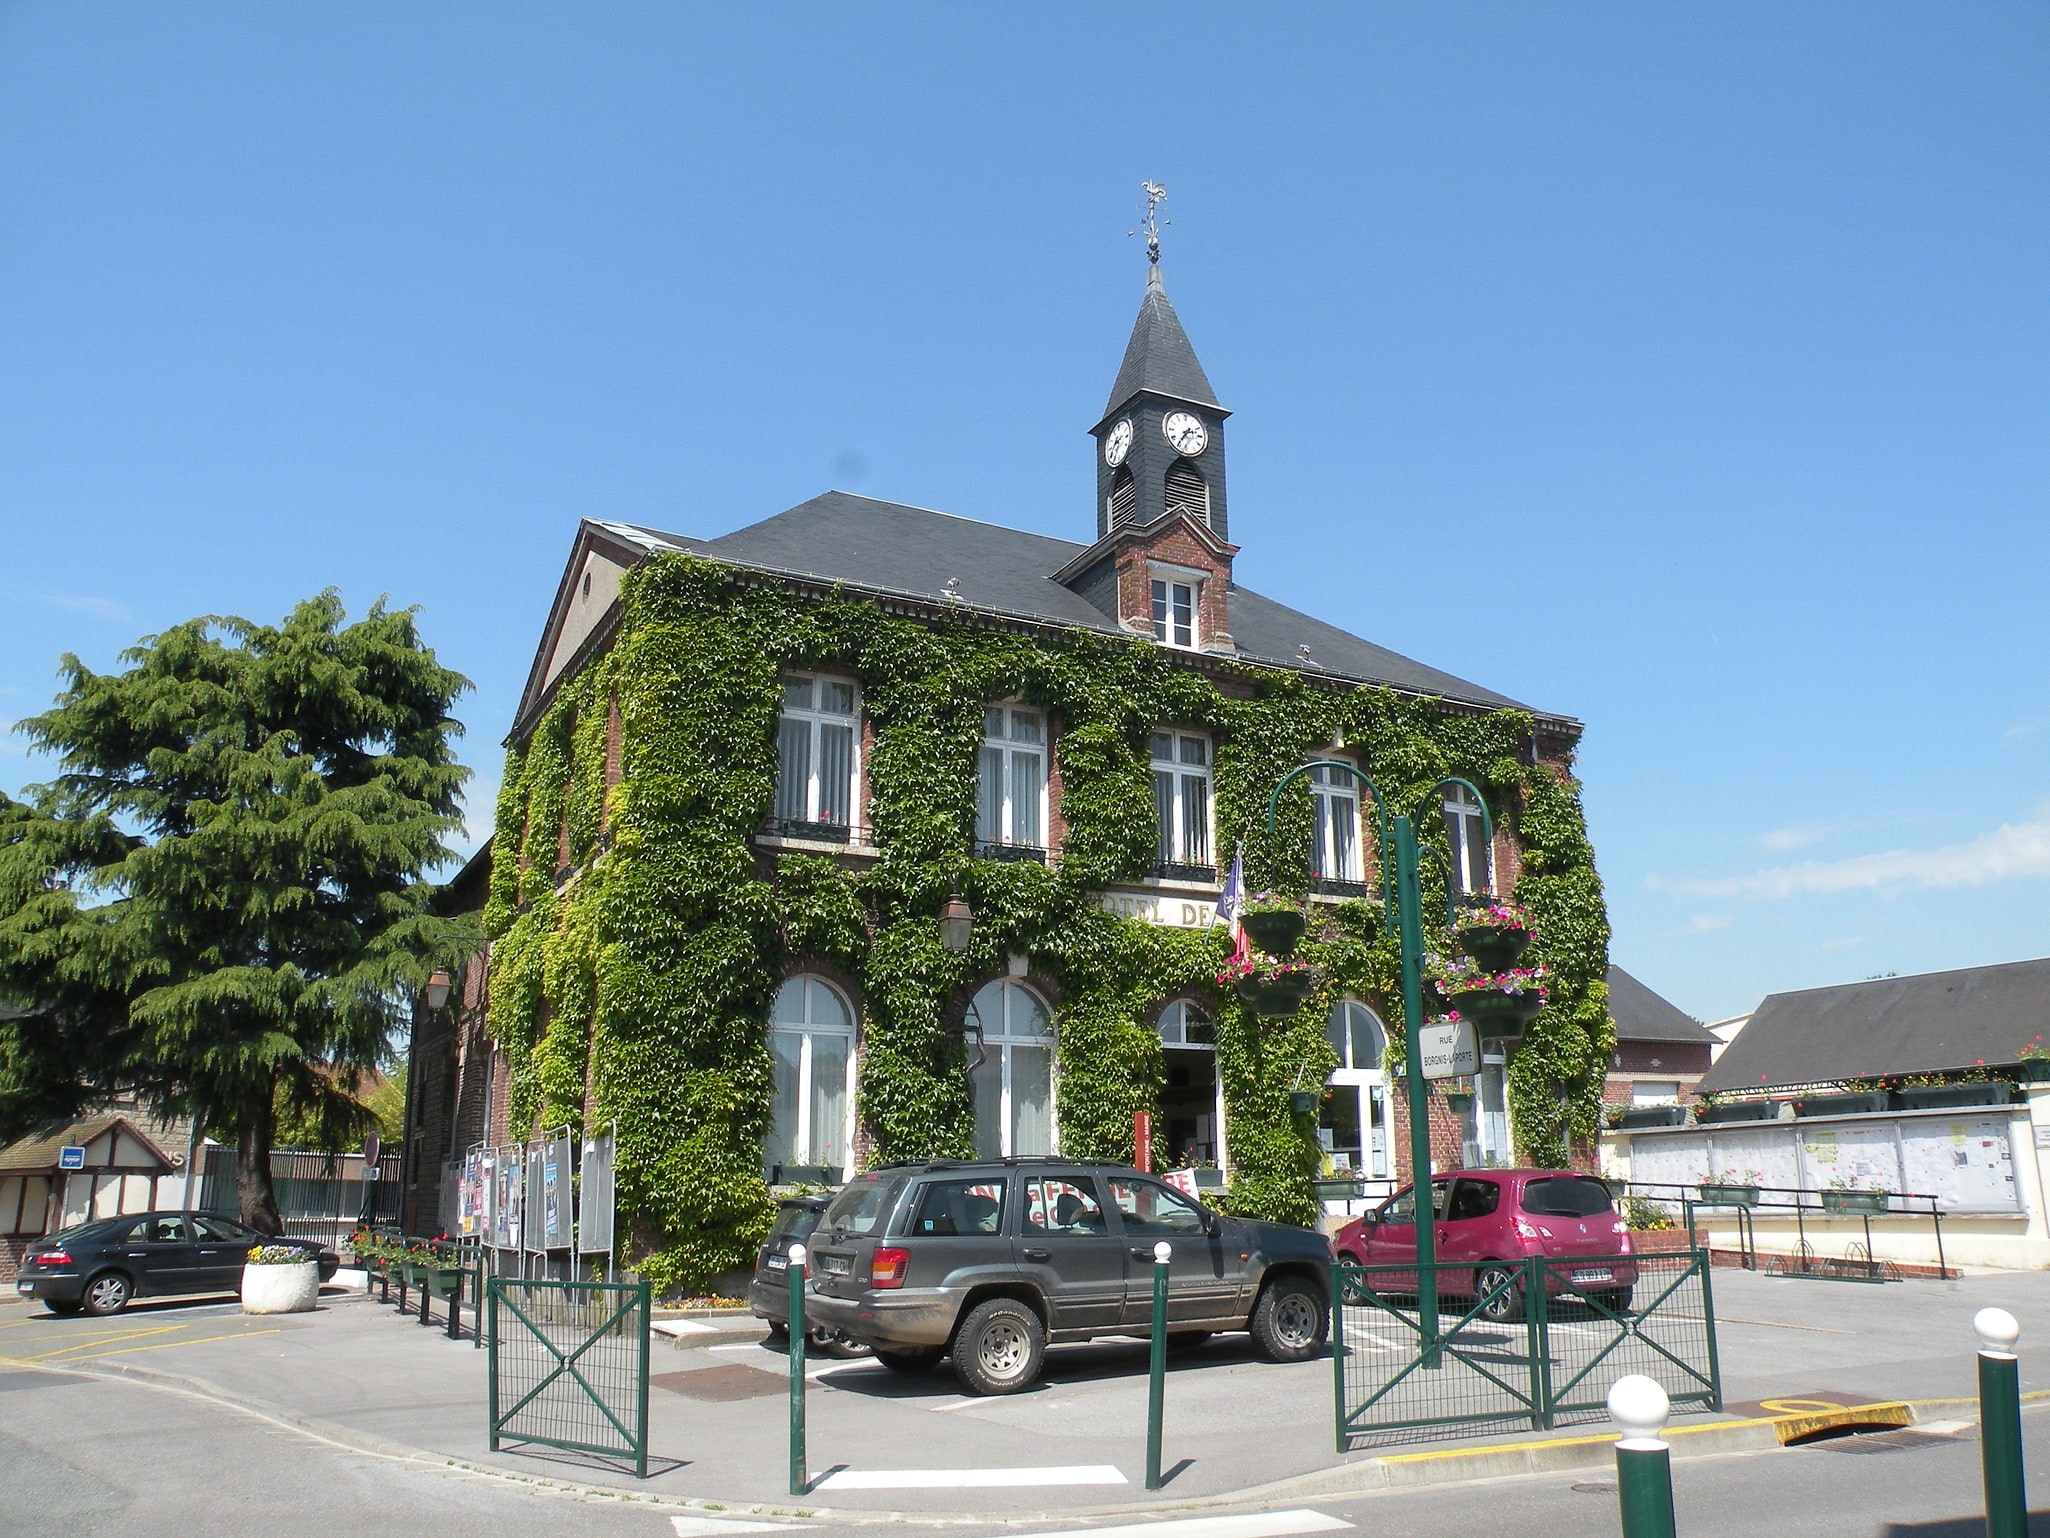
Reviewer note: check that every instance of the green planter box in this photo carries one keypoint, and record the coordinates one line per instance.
(1338, 1190)
(1934, 1097)
(443, 1282)
(1640, 1116)
(1854, 1201)
(1843, 1105)
(2034, 1071)
(1739, 1110)
(1714, 1195)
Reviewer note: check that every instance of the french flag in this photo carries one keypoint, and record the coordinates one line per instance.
(1232, 901)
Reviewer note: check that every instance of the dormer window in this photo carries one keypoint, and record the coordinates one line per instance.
(1174, 610)
(1186, 492)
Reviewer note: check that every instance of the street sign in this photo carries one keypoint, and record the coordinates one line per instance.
(370, 1172)
(71, 1158)
(371, 1146)
(1449, 1050)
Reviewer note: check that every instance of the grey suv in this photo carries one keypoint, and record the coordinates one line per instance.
(990, 1260)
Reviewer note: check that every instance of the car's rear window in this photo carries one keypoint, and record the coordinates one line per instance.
(1565, 1196)
(795, 1220)
(860, 1206)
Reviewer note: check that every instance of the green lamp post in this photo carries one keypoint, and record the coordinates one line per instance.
(1402, 894)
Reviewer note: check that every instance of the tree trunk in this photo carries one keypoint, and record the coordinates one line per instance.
(254, 1193)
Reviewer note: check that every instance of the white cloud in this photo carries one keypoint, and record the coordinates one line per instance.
(1795, 838)
(2028, 728)
(1841, 943)
(2011, 852)
(1705, 923)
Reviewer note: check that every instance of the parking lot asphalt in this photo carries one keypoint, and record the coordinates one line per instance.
(719, 1413)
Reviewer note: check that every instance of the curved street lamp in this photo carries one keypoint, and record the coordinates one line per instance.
(1404, 903)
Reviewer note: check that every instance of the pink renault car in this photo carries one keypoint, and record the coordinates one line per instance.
(1493, 1220)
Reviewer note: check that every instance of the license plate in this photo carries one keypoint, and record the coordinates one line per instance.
(1591, 1276)
(835, 1265)
(24, 1286)
(779, 1262)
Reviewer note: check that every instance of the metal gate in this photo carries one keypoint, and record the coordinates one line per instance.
(569, 1365)
(1529, 1340)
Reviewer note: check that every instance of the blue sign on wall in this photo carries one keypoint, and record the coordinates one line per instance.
(71, 1158)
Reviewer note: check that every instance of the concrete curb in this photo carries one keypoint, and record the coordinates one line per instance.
(1395, 1471)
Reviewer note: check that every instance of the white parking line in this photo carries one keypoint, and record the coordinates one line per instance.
(980, 1479)
(1255, 1524)
(702, 1527)
(1360, 1332)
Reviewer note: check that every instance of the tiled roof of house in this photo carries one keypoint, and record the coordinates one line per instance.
(1642, 1015)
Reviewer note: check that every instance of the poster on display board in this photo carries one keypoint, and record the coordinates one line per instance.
(556, 1195)
(506, 1225)
(1853, 1156)
(594, 1197)
(1963, 1161)
(533, 1237)
(466, 1197)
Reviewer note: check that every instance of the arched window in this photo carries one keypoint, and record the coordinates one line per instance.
(1356, 1035)
(811, 1035)
(1473, 862)
(1186, 492)
(1182, 1024)
(1122, 496)
(1013, 1082)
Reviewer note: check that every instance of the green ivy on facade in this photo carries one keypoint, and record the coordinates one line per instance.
(638, 944)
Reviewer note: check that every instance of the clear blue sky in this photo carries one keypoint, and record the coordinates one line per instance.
(1683, 369)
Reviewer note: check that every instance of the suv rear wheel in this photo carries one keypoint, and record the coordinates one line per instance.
(1000, 1347)
(1289, 1321)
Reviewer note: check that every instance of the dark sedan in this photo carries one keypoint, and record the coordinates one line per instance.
(98, 1267)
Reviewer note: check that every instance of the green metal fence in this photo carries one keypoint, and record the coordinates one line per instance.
(1533, 1340)
(569, 1365)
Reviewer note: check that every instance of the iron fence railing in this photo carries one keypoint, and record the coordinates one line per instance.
(1535, 1340)
(1743, 1201)
(568, 1365)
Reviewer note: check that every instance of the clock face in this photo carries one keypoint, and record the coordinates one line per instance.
(1185, 434)
(1117, 443)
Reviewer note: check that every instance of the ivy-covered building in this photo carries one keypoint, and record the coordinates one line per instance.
(748, 771)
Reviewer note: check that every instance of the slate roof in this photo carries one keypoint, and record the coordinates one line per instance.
(1922, 1024)
(1159, 357)
(1642, 1015)
(914, 552)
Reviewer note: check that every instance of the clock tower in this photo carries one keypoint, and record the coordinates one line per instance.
(1160, 445)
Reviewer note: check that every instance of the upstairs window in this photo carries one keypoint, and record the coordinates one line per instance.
(1174, 612)
(818, 749)
(1181, 798)
(1186, 492)
(1335, 849)
(1010, 802)
(1123, 496)
(1473, 862)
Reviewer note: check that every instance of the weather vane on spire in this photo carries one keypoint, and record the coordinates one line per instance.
(1155, 196)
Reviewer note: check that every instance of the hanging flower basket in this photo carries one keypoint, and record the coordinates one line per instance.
(1494, 934)
(1273, 987)
(1301, 1102)
(1274, 924)
(1459, 1101)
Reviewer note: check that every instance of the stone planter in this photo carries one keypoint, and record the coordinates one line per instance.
(280, 1289)
(1934, 1097)
(1854, 1201)
(1275, 930)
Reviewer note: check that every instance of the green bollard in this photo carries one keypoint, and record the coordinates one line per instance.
(1644, 1464)
(798, 1481)
(1156, 1391)
(2000, 1423)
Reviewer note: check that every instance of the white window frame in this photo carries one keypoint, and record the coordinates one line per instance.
(1167, 582)
(999, 1042)
(815, 717)
(1009, 748)
(1370, 1087)
(806, 1032)
(1173, 844)
(1466, 830)
(1335, 795)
